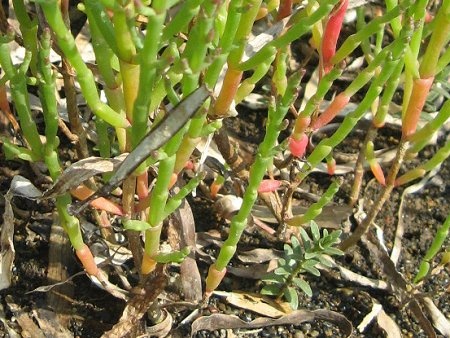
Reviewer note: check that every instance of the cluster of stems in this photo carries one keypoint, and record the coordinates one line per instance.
(201, 45)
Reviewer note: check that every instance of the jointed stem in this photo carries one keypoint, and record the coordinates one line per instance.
(85, 77)
(381, 199)
(359, 166)
(257, 171)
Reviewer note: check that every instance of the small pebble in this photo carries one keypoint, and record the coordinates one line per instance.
(329, 333)
(222, 307)
(314, 333)
(299, 334)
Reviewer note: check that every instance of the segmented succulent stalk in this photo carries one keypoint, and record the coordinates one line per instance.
(421, 138)
(85, 77)
(148, 70)
(441, 155)
(277, 111)
(233, 75)
(373, 163)
(427, 71)
(301, 24)
(18, 82)
(437, 244)
(315, 209)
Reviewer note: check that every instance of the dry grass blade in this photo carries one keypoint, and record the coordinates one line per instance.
(29, 328)
(384, 321)
(330, 217)
(256, 271)
(259, 255)
(9, 330)
(221, 321)
(81, 171)
(368, 318)
(440, 322)
(351, 276)
(396, 249)
(49, 324)
(190, 275)
(255, 303)
(20, 186)
(388, 325)
(155, 139)
(7, 251)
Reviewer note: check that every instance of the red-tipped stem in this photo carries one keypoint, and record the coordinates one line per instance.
(331, 166)
(377, 172)
(213, 280)
(298, 146)
(332, 110)
(331, 34)
(82, 192)
(86, 258)
(269, 186)
(420, 90)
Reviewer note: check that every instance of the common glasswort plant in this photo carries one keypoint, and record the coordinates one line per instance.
(167, 73)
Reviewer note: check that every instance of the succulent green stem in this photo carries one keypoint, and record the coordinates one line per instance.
(315, 209)
(148, 71)
(19, 94)
(85, 77)
(258, 169)
(438, 241)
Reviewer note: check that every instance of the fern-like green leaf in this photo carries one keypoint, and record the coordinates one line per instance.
(304, 286)
(294, 241)
(271, 290)
(273, 278)
(291, 296)
(311, 255)
(333, 251)
(283, 270)
(315, 231)
(310, 266)
(324, 261)
(288, 249)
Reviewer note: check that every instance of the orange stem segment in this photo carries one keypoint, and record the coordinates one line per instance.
(82, 192)
(420, 90)
(86, 258)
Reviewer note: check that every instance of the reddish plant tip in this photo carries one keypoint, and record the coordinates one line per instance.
(428, 17)
(213, 279)
(268, 186)
(102, 203)
(332, 110)
(173, 180)
(285, 9)
(189, 165)
(142, 185)
(214, 189)
(301, 124)
(84, 254)
(331, 34)
(298, 146)
(377, 172)
(420, 90)
(331, 167)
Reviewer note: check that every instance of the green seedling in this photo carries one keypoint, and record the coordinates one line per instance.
(299, 259)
